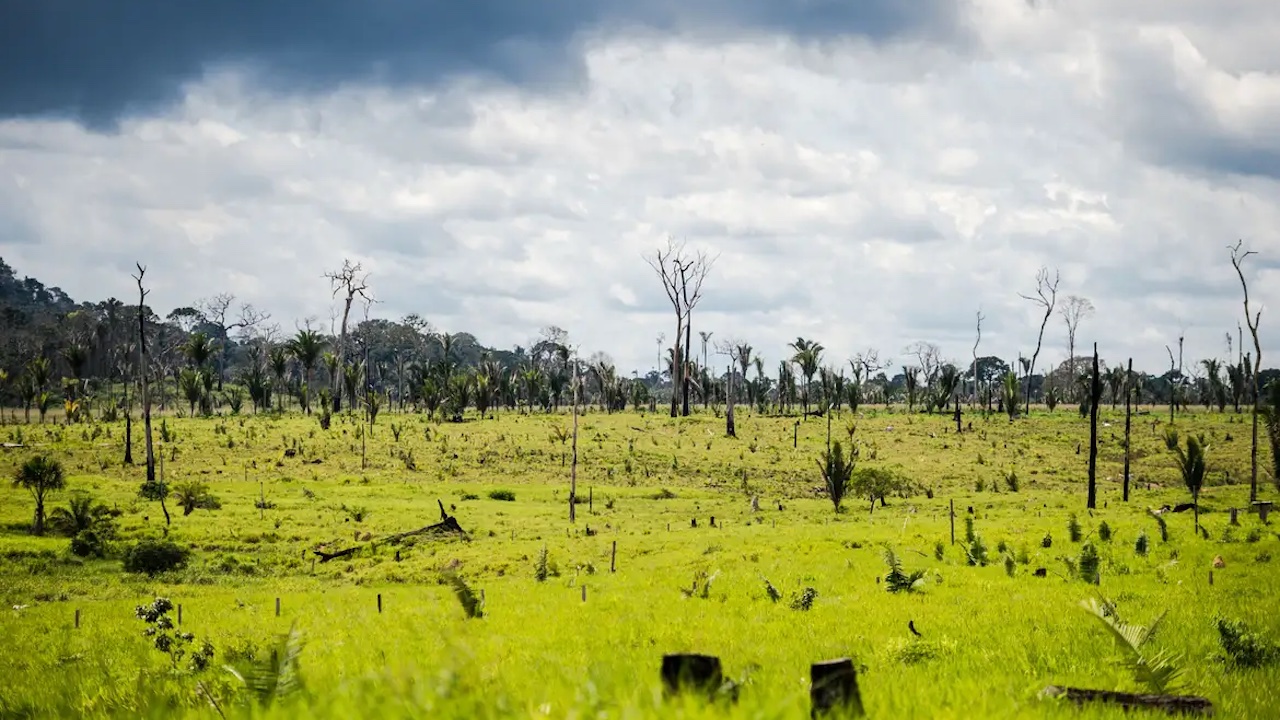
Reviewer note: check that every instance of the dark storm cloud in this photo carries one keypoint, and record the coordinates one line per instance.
(98, 61)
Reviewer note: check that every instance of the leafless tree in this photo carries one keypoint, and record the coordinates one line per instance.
(1046, 297)
(352, 280)
(146, 388)
(1074, 309)
(928, 357)
(736, 350)
(216, 310)
(976, 341)
(682, 274)
(1252, 320)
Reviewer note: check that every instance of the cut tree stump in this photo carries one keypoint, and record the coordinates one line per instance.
(688, 672)
(833, 688)
(1171, 704)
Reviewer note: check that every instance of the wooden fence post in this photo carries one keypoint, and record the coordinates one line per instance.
(77, 618)
(833, 687)
(613, 558)
(277, 607)
(179, 613)
(379, 603)
(584, 593)
(953, 521)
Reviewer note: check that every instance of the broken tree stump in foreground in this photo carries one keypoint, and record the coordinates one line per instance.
(833, 688)
(1171, 704)
(687, 672)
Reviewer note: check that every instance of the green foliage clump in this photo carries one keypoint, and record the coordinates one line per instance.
(1241, 646)
(969, 533)
(804, 599)
(1142, 545)
(837, 471)
(194, 494)
(1011, 481)
(153, 557)
(472, 604)
(897, 580)
(977, 552)
(1074, 531)
(503, 495)
(1046, 541)
(166, 638)
(1104, 532)
(1089, 564)
(276, 675)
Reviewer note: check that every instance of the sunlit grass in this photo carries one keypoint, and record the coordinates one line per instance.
(990, 642)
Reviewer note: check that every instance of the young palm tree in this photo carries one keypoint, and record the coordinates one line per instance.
(278, 359)
(1115, 383)
(306, 347)
(191, 384)
(40, 475)
(81, 513)
(1217, 390)
(1191, 464)
(837, 470)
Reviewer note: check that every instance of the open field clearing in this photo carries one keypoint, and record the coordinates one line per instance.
(580, 631)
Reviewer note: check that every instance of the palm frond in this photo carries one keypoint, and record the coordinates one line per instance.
(471, 603)
(275, 677)
(1158, 671)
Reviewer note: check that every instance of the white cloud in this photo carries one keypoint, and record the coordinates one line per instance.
(861, 194)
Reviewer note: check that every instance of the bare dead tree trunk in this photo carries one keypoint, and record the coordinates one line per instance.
(1046, 296)
(573, 469)
(1128, 415)
(351, 279)
(976, 341)
(1237, 259)
(682, 277)
(1095, 395)
(1074, 309)
(729, 429)
(142, 373)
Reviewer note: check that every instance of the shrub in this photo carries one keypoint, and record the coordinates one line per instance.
(1046, 541)
(1243, 647)
(88, 543)
(1089, 564)
(194, 494)
(503, 495)
(1073, 529)
(1104, 532)
(154, 557)
(977, 552)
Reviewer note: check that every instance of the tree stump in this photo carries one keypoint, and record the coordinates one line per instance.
(690, 672)
(1263, 508)
(1171, 704)
(833, 687)
(1235, 519)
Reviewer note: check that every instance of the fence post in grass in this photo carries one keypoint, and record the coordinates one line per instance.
(77, 618)
(591, 504)
(613, 558)
(277, 607)
(691, 672)
(833, 688)
(262, 500)
(379, 603)
(953, 521)
(179, 613)
(584, 593)
(795, 438)
(1235, 520)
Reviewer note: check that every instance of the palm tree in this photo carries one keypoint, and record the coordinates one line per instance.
(1115, 384)
(40, 475)
(306, 347)
(278, 359)
(199, 349)
(1271, 414)
(81, 513)
(808, 356)
(330, 362)
(191, 384)
(1217, 390)
(911, 375)
(1191, 464)
(352, 378)
(837, 470)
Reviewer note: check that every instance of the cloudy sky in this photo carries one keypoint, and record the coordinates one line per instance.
(868, 174)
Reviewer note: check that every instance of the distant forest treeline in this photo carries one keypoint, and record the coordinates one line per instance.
(217, 353)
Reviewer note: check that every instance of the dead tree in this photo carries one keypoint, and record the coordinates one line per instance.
(738, 353)
(1095, 396)
(1074, 309)
(573, 468)
(354, 281)
(682, 276)
(215, 310)
(448, 525)
(1128, 416)
(142, 373)
(1046, 297)
(976, 341)
(1252, 320)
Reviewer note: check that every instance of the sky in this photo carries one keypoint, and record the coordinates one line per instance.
(867, 175)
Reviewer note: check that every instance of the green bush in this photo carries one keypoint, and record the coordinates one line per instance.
(504, 495)
(88, 543)
(154, 557)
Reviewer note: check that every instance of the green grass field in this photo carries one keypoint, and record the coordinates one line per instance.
(991, 637)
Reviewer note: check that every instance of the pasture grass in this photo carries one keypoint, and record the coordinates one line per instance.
(990, 640)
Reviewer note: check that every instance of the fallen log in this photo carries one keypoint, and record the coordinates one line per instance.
(1171, 704)
(327, 556)
(447, 524)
